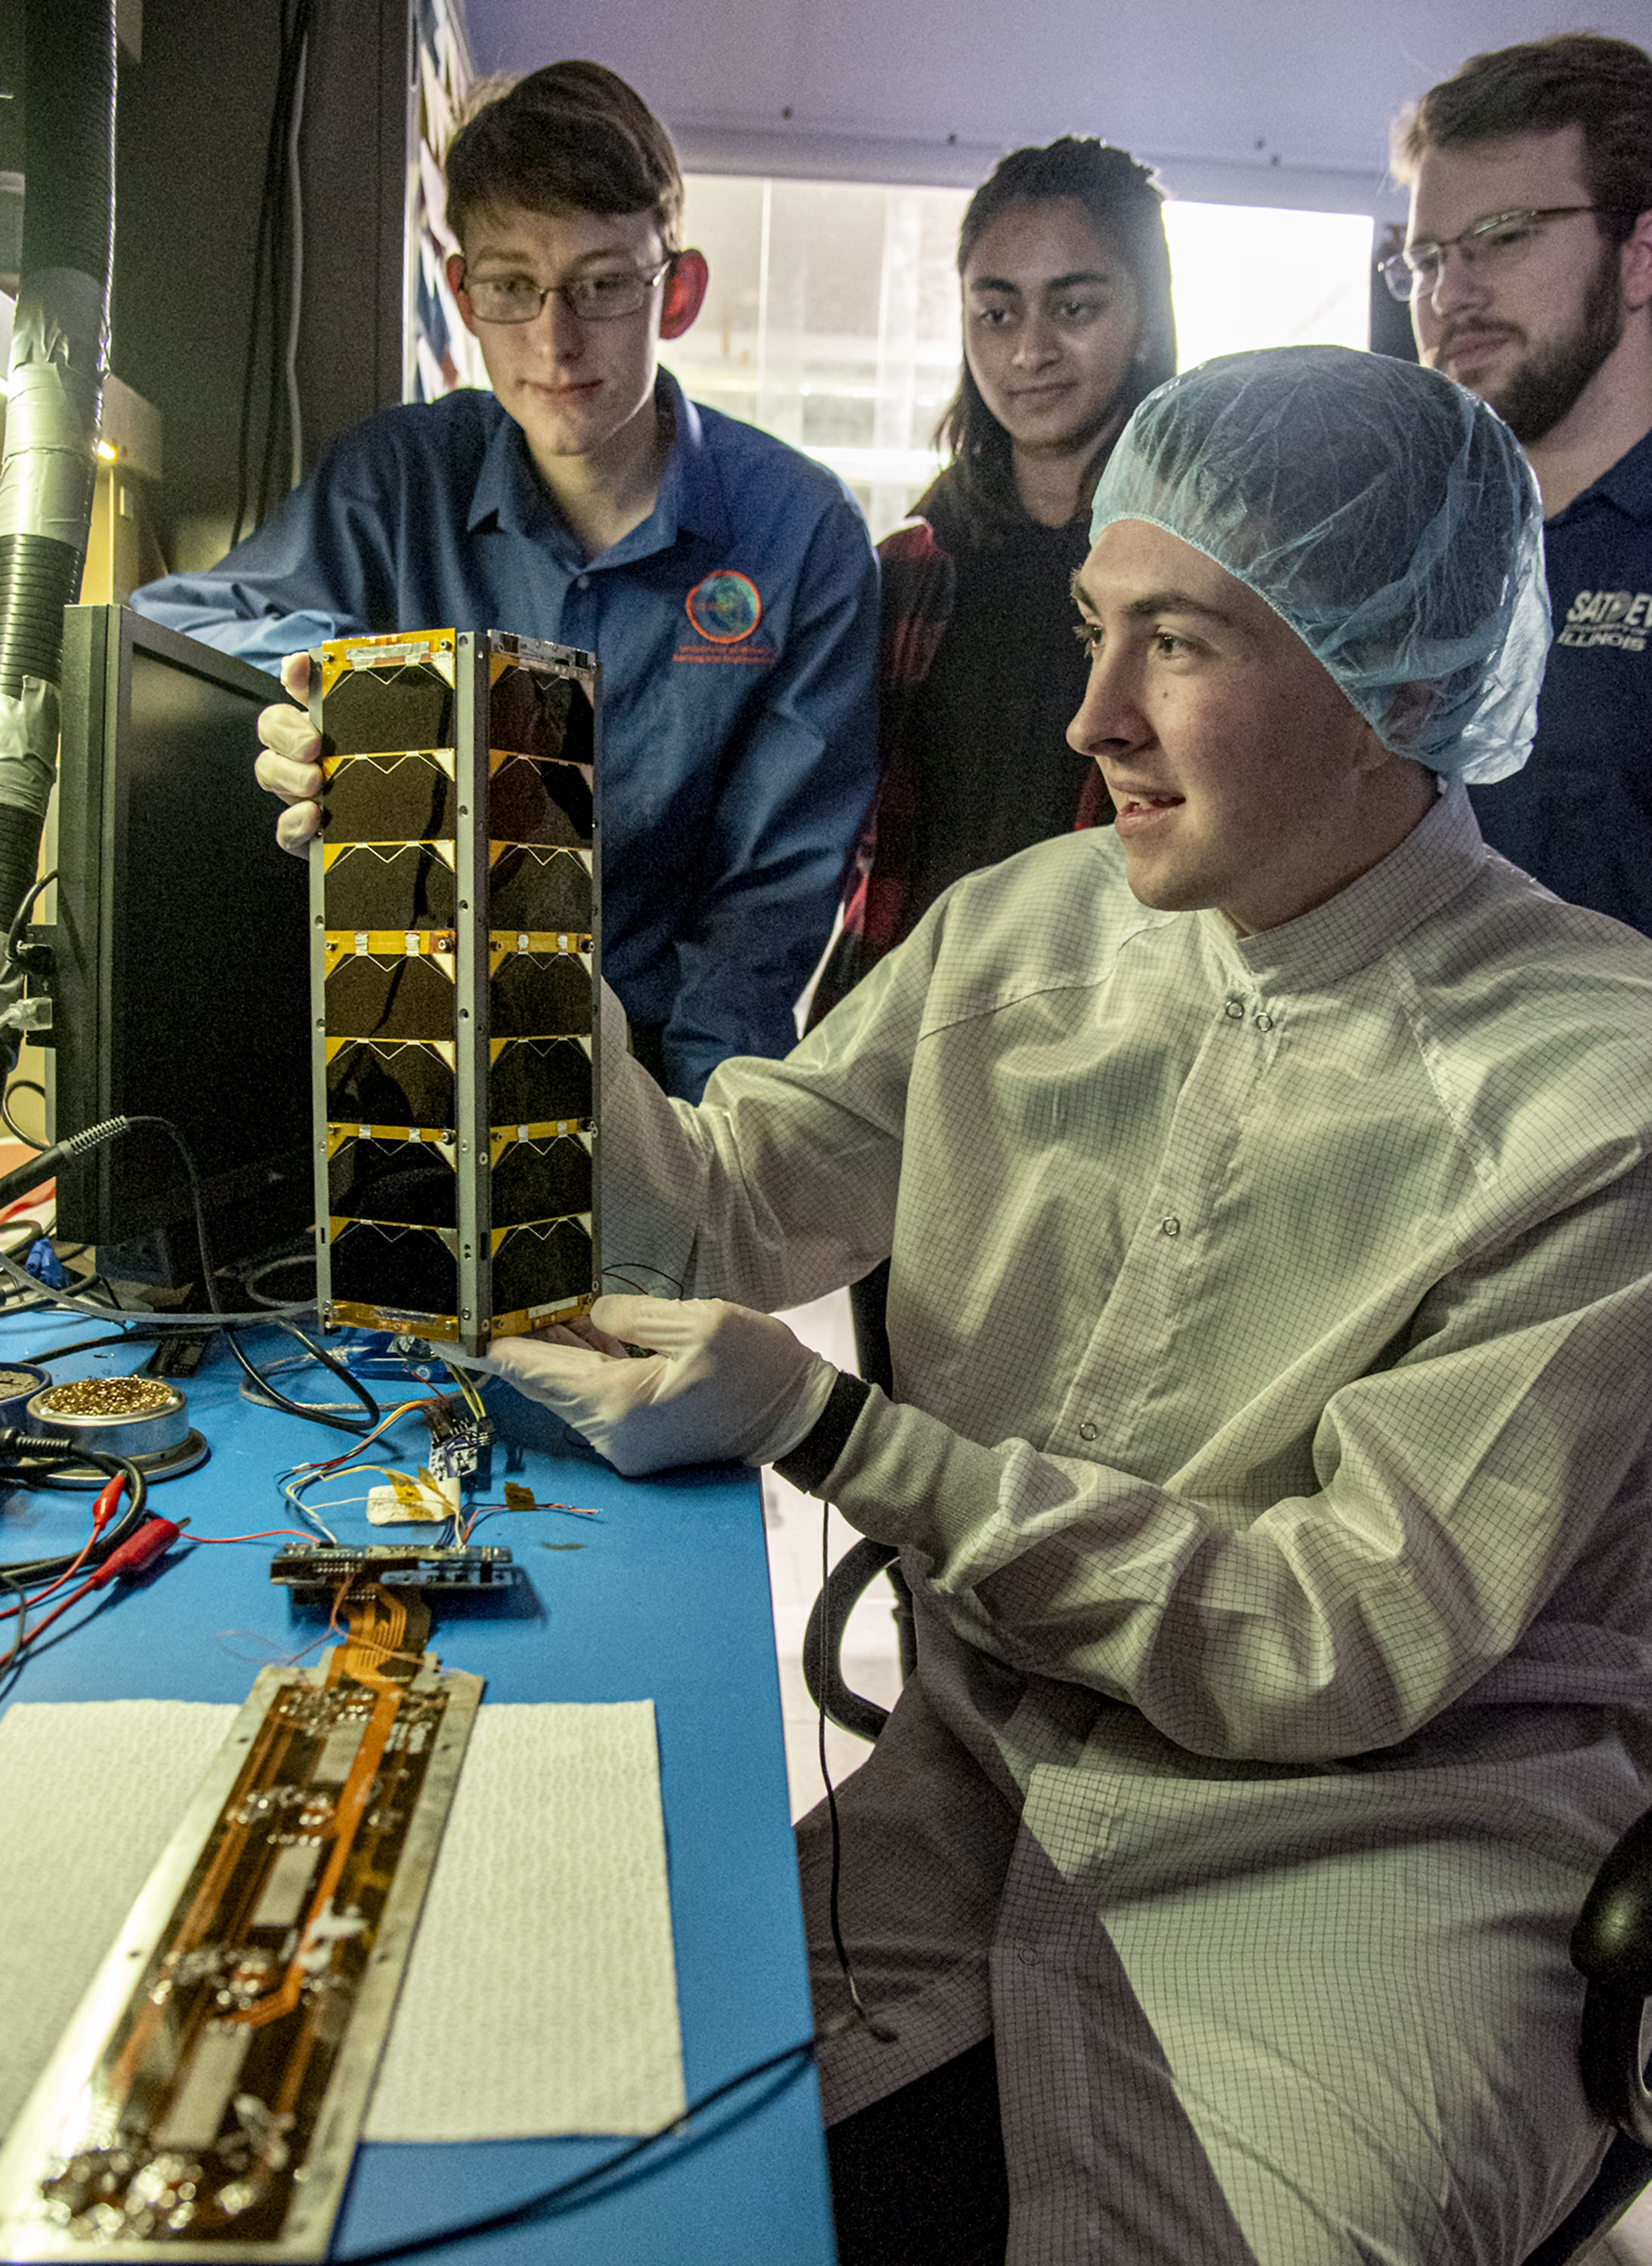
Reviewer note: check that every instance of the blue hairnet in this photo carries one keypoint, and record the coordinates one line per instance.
(1383, 512)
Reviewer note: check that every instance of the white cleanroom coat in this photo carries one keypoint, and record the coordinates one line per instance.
(1272, 1330)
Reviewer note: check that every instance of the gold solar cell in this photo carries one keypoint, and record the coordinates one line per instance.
(542, 1256)
(540, 1081)
(404, 1183)
(530, 887)
(532, 714)
(392, 797)
(369, 997)
(542, 1179)
(400, 1272)
(542, 802)
(370, 1084)
(388, 885)
(406, 705)
(541, 994)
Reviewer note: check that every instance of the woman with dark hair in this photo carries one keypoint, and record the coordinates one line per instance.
(1067, 324)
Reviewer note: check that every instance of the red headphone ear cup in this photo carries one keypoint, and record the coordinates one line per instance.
(685, 290)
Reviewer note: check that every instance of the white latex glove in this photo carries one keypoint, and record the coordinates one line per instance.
(290, 765)
(722, 1381)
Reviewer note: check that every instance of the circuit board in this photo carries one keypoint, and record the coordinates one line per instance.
(206, 2099)
(313, 1570)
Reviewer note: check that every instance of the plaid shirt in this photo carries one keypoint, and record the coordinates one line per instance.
(881, 905)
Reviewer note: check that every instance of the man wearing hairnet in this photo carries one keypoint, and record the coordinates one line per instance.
(1266, 1186)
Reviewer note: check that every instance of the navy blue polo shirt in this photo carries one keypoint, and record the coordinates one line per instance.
(1579, 816)
(737, 631)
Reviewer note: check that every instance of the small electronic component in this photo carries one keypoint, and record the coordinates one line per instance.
(205, 2101)
(316, 1572)
(454, 935)
(461, 1443)
(178, 1356)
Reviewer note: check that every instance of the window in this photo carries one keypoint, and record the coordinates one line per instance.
(832, 322)
(1252, 275)
(832, 317)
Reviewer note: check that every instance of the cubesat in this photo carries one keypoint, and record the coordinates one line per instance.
(454, 925)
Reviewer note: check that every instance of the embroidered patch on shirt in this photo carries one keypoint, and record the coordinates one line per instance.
(724, 606)
(1619, 619)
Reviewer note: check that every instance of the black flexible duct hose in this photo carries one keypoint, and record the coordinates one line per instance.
(46, 484)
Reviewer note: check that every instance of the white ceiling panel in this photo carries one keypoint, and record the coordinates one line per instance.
(1222, 93)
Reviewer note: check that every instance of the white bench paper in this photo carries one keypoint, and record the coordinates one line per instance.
(540, 1996)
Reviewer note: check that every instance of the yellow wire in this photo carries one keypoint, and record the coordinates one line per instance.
(472, 1397)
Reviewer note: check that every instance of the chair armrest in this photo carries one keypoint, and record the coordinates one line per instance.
(822, 1641)
(1612, 1946)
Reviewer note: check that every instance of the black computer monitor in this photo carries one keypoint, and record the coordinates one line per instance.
(180, 988)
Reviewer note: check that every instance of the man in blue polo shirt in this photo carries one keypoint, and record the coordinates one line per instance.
(727, 584)
(1529, 268)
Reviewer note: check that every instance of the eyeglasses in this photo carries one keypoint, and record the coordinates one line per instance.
(1499, 241)
(593, 298)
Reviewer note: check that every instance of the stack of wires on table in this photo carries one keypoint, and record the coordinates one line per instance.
(293, 1481)
(118, 1543)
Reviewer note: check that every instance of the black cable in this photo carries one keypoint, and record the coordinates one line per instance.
(180, 1325)
(203, 1240)
(272, 1397)
(17, 1634)
(251, 1277)
(347, 1376)
(616, 1266)
(144, 1333)
(21, 1085)
(880, 2030)
(554, 2198)
(272, 229)
(260, 251)
(276, 191)
(14, 934)
(294, 39)
(55, 1452)
(141, 1335)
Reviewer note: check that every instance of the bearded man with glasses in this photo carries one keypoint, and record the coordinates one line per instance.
(726, 583)
(1528, 266)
